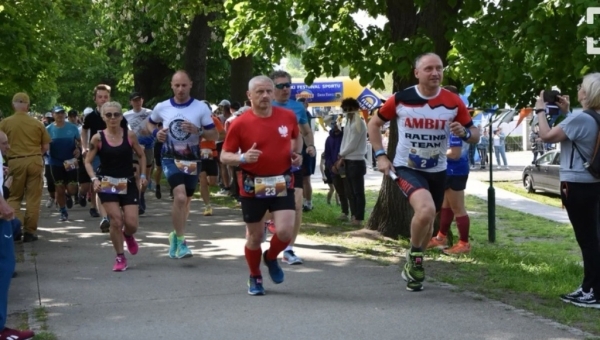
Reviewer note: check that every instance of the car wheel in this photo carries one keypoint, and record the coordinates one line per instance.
(528, 184)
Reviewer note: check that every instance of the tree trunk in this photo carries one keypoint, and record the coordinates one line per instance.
(150, 76)
(241, 73)
(392, 213)
(196, 50)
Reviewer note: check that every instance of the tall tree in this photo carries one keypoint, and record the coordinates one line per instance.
(513, 49)
(509, 49)
(368, 53)
(196, 52)
(32, 46)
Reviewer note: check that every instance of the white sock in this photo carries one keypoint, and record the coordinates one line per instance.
(289, 248)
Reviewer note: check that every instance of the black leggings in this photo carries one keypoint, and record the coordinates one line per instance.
(582, 201)
(354, 185)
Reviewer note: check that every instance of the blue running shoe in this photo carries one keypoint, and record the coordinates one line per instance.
(183, 252)
(255, 286)
(275, 271)
(172, 245)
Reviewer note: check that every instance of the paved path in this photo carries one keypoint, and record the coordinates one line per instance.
(332, 296)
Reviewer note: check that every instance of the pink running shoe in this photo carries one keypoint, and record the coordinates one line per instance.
(132, 244)
(120, 264)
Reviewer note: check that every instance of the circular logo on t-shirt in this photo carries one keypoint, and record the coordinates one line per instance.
(176, 130)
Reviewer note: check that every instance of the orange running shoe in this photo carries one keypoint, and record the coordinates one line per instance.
(437, 242)
(459, 248)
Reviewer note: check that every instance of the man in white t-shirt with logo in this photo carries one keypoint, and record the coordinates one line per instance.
(137, 119)
(185, 121)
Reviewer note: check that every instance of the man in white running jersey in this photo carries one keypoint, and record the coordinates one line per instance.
(426, 114)
(185, 121)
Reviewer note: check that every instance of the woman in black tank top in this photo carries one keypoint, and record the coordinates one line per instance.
(115, 181)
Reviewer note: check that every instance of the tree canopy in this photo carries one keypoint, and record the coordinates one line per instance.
(508, 49)
(57, 50)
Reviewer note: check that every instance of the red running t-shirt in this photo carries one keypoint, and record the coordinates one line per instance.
(273, 136)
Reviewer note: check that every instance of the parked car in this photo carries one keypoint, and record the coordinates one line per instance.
(543, 174)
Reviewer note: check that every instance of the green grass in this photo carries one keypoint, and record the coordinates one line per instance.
(41, 316)
(542, 197)
(532, 262)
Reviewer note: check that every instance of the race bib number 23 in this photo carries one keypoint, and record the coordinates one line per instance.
(268, 187)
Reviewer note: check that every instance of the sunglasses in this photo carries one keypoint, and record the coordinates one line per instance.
(112, 114)
(283, 85)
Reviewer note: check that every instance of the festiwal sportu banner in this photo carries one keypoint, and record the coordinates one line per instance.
(318, 92)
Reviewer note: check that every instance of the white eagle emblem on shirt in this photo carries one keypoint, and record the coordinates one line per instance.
(283, 131)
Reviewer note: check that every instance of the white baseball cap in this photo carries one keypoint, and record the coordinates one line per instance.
(87, 111)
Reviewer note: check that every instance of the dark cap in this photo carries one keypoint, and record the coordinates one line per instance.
(58, 108)
(73, 112)
(135, 95)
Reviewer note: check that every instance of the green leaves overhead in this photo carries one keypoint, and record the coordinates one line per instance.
(508, 49)
(521, 47)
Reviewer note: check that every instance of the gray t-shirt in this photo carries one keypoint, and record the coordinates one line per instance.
(583, 130)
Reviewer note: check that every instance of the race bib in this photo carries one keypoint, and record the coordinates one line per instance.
(206, 154)
(115, 186)
(71, 164)
(268, 187)
(423, 158)
(187, 167)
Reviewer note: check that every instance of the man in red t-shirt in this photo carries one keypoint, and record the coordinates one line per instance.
(426, 115)
(261, 142)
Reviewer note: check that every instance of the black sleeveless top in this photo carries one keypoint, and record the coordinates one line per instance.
(115, 161)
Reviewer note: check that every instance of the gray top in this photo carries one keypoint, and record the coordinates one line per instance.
(354, 142)
(583, 130)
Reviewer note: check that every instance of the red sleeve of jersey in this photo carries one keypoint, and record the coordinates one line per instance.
(233, 137)
(388, 111)
(462, 115)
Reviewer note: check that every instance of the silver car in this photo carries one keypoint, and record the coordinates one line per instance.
(543, 174)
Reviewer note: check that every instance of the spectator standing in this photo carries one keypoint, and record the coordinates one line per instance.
(29, 140)
(7, 255)
(537, 144)
(333, 143)
(352, 156)
(483, 147)
(579, 189)
(500, 147)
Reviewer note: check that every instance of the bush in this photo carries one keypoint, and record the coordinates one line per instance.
(514, 143)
